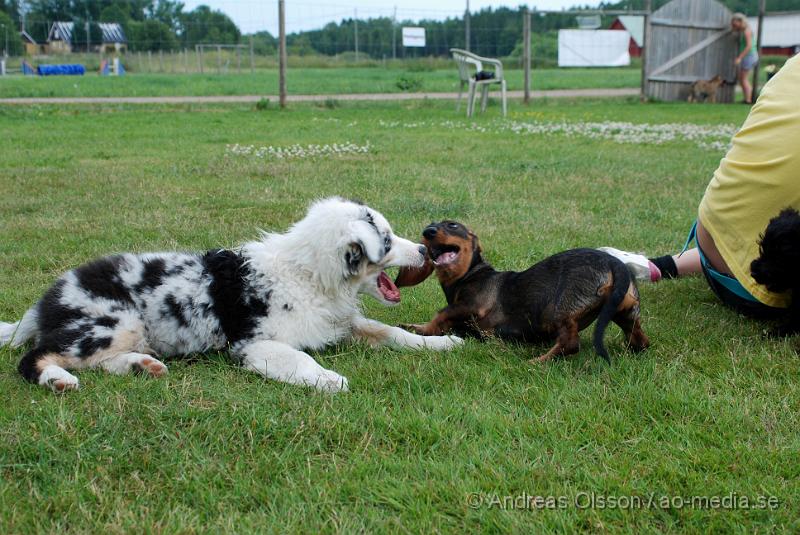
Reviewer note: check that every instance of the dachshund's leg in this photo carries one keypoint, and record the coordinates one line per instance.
(567, 343)
(446, 319)
(628, 321)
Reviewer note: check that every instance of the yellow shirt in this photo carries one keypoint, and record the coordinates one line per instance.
(758, 177)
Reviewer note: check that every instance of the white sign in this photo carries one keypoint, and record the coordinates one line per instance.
(593, 48)
(413, 36)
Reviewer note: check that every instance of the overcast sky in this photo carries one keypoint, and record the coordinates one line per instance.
(255, 15)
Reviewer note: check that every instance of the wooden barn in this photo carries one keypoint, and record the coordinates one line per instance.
(113, 37)
(32, 48)
(690, 40)
(781, 36)
(634, 25)
(59, 39)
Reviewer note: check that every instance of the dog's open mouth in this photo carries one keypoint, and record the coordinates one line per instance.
(387, 288)
(445, 255)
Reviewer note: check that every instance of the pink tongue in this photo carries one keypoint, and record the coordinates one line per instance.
(446, 258)
(387, 288)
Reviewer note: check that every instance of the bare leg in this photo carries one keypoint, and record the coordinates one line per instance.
(747, 89)
(688, 263)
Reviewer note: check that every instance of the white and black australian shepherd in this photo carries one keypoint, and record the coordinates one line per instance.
(265, 302)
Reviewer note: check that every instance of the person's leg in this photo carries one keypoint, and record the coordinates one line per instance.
(661, 267)
(673, 266)
(747, 89)
(688, 263)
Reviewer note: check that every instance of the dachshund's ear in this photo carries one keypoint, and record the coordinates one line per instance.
(411, 276)
(476, 244)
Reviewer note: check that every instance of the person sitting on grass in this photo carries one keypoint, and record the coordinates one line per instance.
(755, 181)
(747, 58)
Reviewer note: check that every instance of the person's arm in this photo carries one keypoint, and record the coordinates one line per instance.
(748, 44)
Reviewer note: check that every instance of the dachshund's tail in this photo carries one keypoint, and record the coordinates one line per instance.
(621, 281)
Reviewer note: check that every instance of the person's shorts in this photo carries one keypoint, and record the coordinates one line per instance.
(749, 61)
(730, 291)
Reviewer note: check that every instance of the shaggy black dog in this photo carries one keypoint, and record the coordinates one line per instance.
(778, 265)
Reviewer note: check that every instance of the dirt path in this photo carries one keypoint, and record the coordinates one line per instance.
(554, 93)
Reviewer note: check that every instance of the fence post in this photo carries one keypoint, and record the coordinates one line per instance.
(282, 52)
(394, 34)
(466, 28)
(139, 61)
(160, 60)
(355, 31)
(150, 60)
(526, 54)
(219, 60)
(647, 39)
(252, 62)
(762, 7)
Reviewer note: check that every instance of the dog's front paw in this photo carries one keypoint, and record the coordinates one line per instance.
(416, 328)
(331, 382)
(58, 380)
(443, 343)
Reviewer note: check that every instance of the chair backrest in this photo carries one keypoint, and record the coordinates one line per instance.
(466, 62)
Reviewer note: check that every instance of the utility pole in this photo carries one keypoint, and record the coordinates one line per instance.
(394, 34)
(87, 29)
(355, 30)
(282, 52)
(526, 53)
(762, 7)
(466, 28)
(647, 38)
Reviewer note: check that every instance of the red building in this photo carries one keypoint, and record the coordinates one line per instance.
(781, 35)
(634, 25)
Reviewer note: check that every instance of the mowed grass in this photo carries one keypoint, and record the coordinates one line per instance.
(301, 81)
(711, 409)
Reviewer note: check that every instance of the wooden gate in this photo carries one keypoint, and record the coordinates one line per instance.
(690, 40)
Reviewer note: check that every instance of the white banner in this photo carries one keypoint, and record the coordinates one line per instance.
(413, 36)
(593, 48)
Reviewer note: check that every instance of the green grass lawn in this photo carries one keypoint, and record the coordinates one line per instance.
(710, 410)
(299, 81)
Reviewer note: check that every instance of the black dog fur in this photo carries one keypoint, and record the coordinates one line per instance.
(778, 264)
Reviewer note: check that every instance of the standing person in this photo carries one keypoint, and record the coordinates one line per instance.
(747, 57)
(755, 181)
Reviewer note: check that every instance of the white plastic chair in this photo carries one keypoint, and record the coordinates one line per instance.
(466, 62)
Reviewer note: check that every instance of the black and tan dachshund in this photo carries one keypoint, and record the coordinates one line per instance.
(553, 300)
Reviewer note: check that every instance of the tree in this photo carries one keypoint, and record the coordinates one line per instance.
(118, 14)
(11, 8)
(168, 12)
(206, 26)
(264, 43)
(8, 29)
(42, 13)
(151, 35)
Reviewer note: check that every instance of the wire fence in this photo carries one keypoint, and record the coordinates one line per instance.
(152, 46)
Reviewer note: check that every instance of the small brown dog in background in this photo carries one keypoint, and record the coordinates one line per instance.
(705, 90)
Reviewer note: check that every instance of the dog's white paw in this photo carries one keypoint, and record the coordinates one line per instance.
(443, 343)
(331, 382)
(58, 379)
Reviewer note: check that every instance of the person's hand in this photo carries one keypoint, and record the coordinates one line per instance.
(737, 61)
